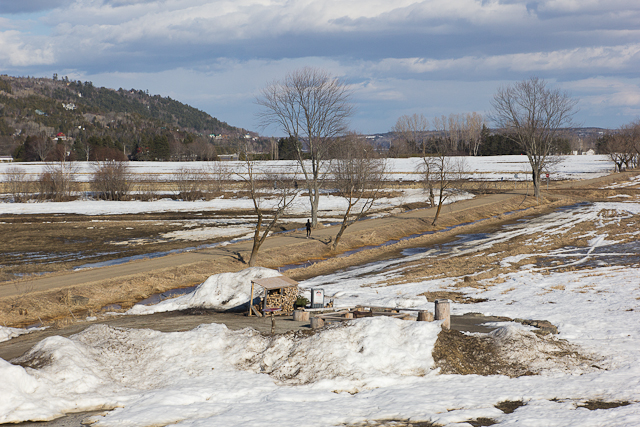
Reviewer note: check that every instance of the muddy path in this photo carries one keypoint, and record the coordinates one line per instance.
(57, 298)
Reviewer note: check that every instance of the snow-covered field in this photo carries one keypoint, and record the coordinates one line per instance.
(376, 368)
(489, 168)
(329, 207)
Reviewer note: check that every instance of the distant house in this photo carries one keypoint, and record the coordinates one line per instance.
(228, 157)
(69, 106)
(61, 136)
(589, 152)
(6, 159)
(40, 112)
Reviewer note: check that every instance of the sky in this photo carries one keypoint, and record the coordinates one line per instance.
(434, 57)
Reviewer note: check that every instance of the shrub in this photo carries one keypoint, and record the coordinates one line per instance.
(56, 182)
(111, 180)
(190, 183)
(18, 184)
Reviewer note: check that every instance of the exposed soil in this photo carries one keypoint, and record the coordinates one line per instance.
(592, 405)
(509, 406)
(36, 244)
(457, 353)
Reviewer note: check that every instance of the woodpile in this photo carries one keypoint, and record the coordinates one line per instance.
(283, 298)
(279, 296)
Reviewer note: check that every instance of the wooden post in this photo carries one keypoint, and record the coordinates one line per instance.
(443, 312)
(316, 322)
(425, 316)
(273, 324)
(348, 315)
(251, 300)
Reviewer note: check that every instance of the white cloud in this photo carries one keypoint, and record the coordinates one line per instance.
(608, 92)
(17, 53)
(561, 61)
(587, 6)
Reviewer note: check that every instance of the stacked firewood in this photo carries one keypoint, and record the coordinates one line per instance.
(286, 301)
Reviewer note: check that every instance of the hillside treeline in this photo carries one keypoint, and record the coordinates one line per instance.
(43, 119)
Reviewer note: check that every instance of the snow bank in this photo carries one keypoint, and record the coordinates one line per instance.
(363, 350)
(105, 367)
(221, 291)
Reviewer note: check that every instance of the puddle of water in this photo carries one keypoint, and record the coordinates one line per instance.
(410, 251)
(172, 293)
(618, 254)
(299, 265)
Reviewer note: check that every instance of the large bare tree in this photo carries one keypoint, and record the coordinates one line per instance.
(358, 173)
(312, 105)
(532, 114)
(622, 146)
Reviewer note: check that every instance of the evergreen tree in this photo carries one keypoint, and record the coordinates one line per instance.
(288, 148)
(160, 148)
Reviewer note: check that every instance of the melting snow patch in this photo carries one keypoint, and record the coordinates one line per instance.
(7, 333)
(145, 370)
(221, 291)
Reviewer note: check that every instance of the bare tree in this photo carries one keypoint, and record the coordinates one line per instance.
(456, 132)
(440, 126)
(308, 104)
(446, 170)
(531, 115)
(473, 130)
(281, 198)
(359, 176)
(191, 183)
(426, 168)
(146, 187)
(56, 181)
(412, 130)
(217, 173)
(18, 184)
(41, 147)
(111, 180)
(623, 146)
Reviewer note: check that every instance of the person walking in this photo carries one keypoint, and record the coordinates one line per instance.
(308, 228)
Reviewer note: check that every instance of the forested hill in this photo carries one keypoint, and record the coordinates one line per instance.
(46, 107)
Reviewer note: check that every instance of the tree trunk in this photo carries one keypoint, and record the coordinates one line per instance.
(343, 227)
(536, 183)
(315, 200)
(256, 242)
(435, 219)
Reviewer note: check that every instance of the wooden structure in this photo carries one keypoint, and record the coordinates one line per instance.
(359, 311)
(279, 297)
